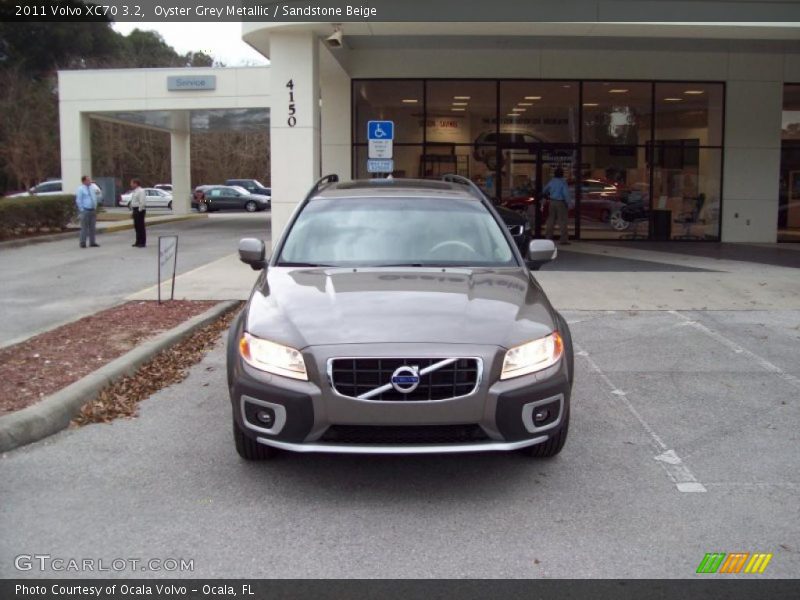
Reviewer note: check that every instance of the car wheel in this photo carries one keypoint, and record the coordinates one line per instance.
(251, 206)
(250, 449)
(617, 222)
(553, 445)
(202, 207)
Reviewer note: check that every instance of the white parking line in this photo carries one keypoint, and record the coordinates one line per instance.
(678, 472)
(736, 348)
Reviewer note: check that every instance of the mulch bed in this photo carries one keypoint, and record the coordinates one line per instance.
(48, 362)
(121, 398)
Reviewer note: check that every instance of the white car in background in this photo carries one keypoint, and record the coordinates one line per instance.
(51, 187)
(167, 187)
(155, 198)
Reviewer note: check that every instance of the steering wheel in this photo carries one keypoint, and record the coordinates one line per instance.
(457, 243)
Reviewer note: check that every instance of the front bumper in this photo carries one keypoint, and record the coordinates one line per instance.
(307, 416)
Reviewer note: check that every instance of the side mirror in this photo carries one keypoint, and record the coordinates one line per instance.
(253, 252)
(540, 252)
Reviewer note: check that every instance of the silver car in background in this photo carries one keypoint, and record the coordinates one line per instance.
(397, 317)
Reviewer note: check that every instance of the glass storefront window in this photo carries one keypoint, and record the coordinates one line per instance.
(789, 189)
(615, 192)
(400, 101)
(616, 112)
(541, 111)
(461, 112)
(690, 191)
(689, 111)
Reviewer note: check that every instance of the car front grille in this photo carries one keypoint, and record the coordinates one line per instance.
(403, 434)
(354, 377)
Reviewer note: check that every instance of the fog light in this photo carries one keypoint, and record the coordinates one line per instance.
(265, 417)
(541, 415)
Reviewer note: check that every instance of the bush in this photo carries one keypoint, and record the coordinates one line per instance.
(34, 214)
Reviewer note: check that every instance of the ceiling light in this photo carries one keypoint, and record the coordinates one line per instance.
(512, 115)
(459, 104)
(533, 97)
(519, 110)
(694, 92)
(673, 99)
(566, 86)
(524, 103)
(409, 101)
(461, 97)
(591, 104)
(458, 109)
(618, 91)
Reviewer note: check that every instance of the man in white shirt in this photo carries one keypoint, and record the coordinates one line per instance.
(138, 206)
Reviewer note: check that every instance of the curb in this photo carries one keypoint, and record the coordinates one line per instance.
(54, 237)
(54, 413)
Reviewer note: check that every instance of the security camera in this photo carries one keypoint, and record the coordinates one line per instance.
(334, 40)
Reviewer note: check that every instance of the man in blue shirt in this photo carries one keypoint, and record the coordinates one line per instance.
(557, 192)
(86, 201)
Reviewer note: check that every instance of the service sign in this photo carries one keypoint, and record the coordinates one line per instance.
(195, 82)
(167, 262)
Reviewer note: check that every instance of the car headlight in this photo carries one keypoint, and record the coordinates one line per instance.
(272, 358)
(533, 356)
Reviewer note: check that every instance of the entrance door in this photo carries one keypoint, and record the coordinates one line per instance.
(526, 169)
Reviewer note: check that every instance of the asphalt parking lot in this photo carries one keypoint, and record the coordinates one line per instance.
(684, 440)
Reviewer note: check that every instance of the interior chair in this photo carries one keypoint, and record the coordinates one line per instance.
(691, 215)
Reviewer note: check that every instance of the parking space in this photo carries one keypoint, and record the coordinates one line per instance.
(660, 399)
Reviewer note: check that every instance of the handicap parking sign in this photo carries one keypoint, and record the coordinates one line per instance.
(380, 130)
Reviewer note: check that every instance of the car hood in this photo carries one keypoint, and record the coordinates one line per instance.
(309, 307)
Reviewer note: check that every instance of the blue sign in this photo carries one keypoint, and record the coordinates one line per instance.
(380, 165)
(380, 130)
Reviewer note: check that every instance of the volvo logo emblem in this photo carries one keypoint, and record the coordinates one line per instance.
(405, 379)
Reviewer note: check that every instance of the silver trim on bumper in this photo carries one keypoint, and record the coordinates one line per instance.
(421, 449)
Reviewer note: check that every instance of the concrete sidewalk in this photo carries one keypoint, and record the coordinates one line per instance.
(102, 227)
(587, 276)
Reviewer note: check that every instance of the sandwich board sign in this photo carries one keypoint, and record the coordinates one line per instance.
(167, 261)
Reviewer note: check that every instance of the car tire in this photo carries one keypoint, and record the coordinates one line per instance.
(250, 206)
(202, 207)
(250, 449)
(553, 445)
(617, 222)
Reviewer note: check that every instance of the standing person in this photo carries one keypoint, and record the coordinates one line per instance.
(557, 192)
(86, 202)
(138, 206)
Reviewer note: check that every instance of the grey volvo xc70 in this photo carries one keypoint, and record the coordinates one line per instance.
(397, 316)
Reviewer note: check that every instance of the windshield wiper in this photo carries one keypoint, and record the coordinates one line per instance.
(300, 264)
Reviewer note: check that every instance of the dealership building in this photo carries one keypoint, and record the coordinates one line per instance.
(664, 131)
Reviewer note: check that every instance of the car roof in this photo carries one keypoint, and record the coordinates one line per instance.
(395, 188)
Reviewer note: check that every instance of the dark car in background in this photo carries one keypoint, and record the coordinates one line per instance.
(210, 198)
(254, 186)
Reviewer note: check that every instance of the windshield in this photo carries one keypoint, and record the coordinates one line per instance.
(396, 232)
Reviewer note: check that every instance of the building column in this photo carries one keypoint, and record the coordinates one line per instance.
(752, 160)
(76, 146)
(294, 122)
(335, 135)
(180, 161)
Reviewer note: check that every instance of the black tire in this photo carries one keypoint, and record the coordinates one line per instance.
(553, 445)
(567, 335)
(249, 449)
(250, 206)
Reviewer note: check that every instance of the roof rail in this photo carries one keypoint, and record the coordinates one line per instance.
(460, 179)
(332, 178)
